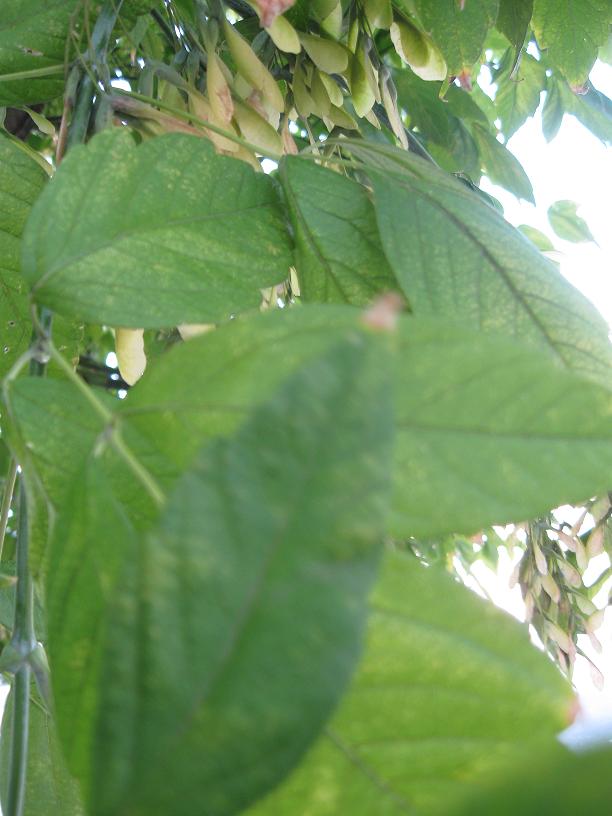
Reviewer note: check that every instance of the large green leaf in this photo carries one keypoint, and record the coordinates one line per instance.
(571, 31)
(501, 166)
(338, 253)
(518, 96)
(139, 236)
(471, 448)
(489, 431)
(457, 258)
(50, 790)
(458, 31)
(33, 37)
(448, 691)
(21, 181)
(545, 782)
(193, 666)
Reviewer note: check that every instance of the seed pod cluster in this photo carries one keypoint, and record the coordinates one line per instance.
(558, 603)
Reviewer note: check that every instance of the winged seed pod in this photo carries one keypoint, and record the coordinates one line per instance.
(361, 93)
(332, 88)
(586, 606)
(323, 8)
(189, 330)
(251, 68)
(561, 638)
(219, 94)
(284, 36)
(389, 99)
(338, 117)
(319, 95)
(327, 55)
(550, 587)
(418, 51)
(304, 102)
(332, 24)
(571, 575)
(256, 129)
(131, 357)
(540, 559)
(379, 13)
(595, 543)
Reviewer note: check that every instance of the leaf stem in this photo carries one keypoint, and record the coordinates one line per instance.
(7, 498)
(115, 437)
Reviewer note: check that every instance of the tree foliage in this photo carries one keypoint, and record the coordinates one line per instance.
(225, 564)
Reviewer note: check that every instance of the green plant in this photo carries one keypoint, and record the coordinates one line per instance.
(236, 571)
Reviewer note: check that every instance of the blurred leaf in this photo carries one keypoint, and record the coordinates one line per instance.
(501, 166)
(458, 32)
(542, 241)
(553, 110)
(21, 181)
(518, 96)
(447, 693)
(567, 224)
(134, 236)
(571, 33)
(457, 258)
(166, 648)
(513, 20)
(33, 37)
(50, 790)
(339, 258)
(593, 109)
(553, 781)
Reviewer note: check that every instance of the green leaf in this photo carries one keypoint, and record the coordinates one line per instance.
(564, 219)
(593, 109)
(553, 110)
(542, 241)
(262, 559)
(206, 387)
(449, 690)
(470, 450)
(338, 253)
(458, 32)
(556, 782)
(50, 790)
(571, 31)
(426, 111)
(138, 236)
(513, 21)
(489, 431)
(518, 96)
(501, 166)
(33, 38)
(457, 258)
(21, 181)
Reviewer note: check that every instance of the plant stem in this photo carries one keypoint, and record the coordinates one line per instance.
(7, 498)
(23, 641)
(19, 741)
